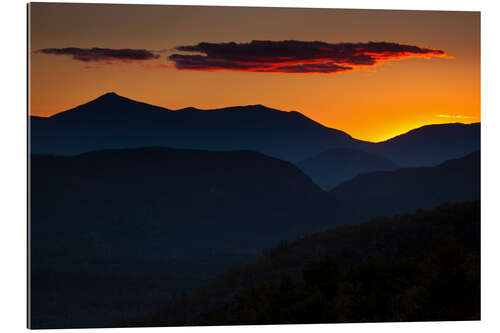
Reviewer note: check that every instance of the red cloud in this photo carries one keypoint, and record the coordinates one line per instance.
(294, 56)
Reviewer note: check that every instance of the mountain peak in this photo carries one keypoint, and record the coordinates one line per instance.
(110, 96)
(255, 107)
(113, 100)
(258, 106)
(110, 104)
(110, 101)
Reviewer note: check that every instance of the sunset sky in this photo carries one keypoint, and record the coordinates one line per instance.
(373, 74)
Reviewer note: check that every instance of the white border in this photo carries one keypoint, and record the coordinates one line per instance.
(13, 165)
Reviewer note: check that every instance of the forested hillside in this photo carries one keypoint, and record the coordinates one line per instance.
(412, 267)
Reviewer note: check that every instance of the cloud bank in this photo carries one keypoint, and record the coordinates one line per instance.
(292, 56)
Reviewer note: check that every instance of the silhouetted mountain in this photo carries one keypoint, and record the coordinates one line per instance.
(430, 145)
(412, 267)
(390, 192)
(335, 166)
(112, 121)
(104, 221)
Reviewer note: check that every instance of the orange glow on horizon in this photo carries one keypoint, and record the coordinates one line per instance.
(372, 103)
(366, 133)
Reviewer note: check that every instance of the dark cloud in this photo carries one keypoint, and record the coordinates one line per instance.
(328, 67)
(199, 62)
(100, 54)
(293, 56)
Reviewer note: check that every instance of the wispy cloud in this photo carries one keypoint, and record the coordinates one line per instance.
(102, 54)
(292, 56)
(453, 116)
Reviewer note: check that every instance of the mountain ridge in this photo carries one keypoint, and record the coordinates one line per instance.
(426, 127)
(385, 193)
(337, 165)
(114, 122)
(116, 97)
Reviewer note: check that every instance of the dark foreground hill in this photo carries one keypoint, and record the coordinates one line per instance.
(111, 228)
(115, 122)
(335, 166)
(161, 189)
(386, 193)
(412, 267)
(113, 233)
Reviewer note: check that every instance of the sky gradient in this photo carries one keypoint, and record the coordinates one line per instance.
(371, 73)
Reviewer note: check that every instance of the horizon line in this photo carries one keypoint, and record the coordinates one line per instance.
(112, 93)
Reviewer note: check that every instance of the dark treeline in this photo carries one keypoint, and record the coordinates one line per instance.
(413, 267)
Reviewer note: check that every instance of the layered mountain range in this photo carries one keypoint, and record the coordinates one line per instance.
(130, 202)
(113, 122)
